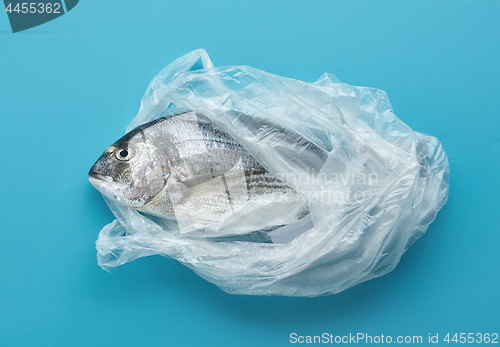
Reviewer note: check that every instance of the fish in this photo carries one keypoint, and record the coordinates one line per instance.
(182, 167)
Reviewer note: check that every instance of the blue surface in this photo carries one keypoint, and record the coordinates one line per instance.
(70, 87)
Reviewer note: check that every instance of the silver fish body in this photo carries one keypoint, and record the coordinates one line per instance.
(183, 168)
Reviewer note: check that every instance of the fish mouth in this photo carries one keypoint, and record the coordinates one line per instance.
(102, 184)
(95, 175)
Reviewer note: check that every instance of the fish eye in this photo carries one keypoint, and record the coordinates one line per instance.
(123, 154)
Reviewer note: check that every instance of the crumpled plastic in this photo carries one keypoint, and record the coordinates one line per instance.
(375, 192)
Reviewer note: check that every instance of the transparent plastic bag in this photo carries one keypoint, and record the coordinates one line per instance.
(371, 185)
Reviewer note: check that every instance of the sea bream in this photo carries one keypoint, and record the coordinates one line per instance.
(183, 168)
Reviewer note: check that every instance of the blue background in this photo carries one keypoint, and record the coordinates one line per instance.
(69, 88)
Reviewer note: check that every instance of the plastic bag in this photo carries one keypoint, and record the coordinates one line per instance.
(371, 185)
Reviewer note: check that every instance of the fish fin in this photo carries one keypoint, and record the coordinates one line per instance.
(194, 181)
(232, 184)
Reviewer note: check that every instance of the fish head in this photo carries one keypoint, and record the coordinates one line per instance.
(132, 171)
